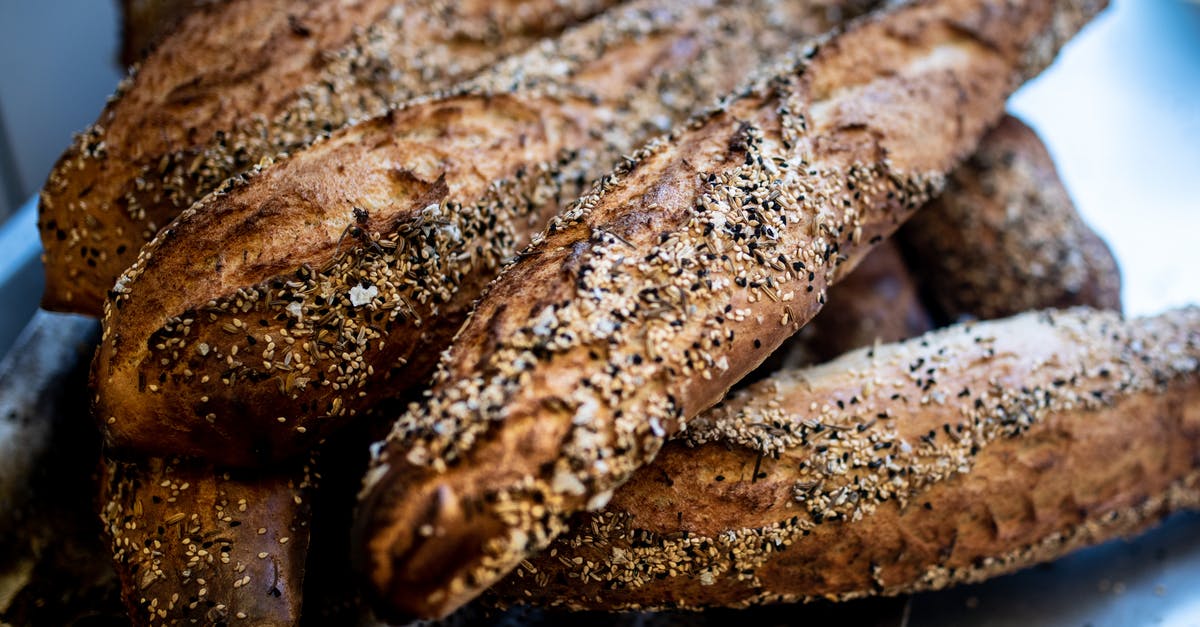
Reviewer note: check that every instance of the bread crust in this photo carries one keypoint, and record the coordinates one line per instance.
(650, 297)
(335, 277)
(239, 82)
(145, 22)
(192, 544)
(877, 302)
(1005, 237)
(950, 458)
(1002, 239)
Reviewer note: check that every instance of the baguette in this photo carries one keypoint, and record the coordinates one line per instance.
(1005, 236)
(195, 545)
(649, 298)
(336, 276)
(877, 302)
(238, 82)
(957, 456)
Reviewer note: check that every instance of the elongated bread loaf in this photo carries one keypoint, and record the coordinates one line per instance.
(336, 276)
(685, 268)
(966, 453)
(1005, 235)
(195, 545)
(238, 82)
(877, 301)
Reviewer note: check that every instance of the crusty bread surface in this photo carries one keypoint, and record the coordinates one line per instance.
(685, 268)
(193, 545)
(336, 276)
(239, 82)
(145, 22)
(966, 453)
(877, 302)
(1005, 236)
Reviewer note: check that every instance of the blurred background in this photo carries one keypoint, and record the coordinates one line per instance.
(1120, 111)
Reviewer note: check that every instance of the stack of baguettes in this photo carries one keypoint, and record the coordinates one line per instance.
(564, 229)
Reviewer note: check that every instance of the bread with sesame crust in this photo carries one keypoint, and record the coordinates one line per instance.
(684, 269)
(1005, 237)
(333, 278)
(238, 82)
(963, 454)
(193, 545)
(877, 302)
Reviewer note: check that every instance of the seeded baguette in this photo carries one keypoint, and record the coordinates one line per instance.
(685, 268)
(239, 82)
(336, 276)
(1005, 235)
(950, 458)
(195, 545)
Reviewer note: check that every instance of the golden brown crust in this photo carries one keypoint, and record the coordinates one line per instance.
(240, 82)
(195, 545)
(966, 453)
(336, 276)
(650, 297)
(1005, 237)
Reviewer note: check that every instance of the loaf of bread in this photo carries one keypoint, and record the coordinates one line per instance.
(877, 302)
(196, 545)
(145, 22)
(1005, 235)
(335, 277)
(960, 455)
(238, 82)
(526, 117)
(685, 268)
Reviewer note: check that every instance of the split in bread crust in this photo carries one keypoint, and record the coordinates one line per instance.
(520, 139)
(335, 277)
(240, 82)
(1005, 236)
(647, 299)
(966, 453)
